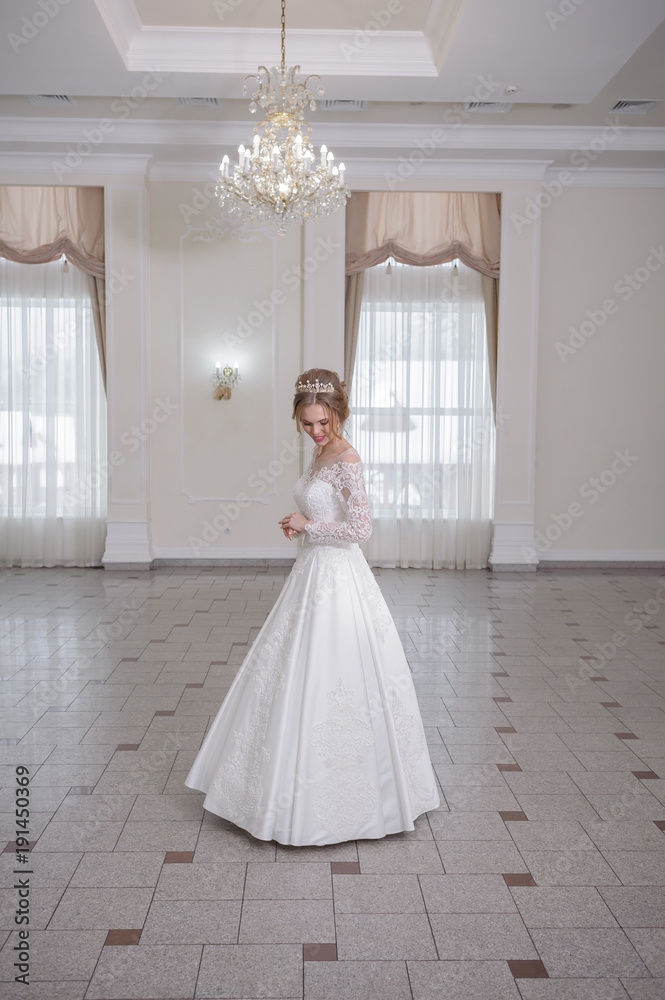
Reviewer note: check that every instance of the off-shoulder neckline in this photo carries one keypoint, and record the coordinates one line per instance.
(336, 459)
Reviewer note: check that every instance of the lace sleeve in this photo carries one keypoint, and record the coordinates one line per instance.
(350, 487)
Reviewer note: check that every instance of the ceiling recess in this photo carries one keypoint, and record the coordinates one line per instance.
(198, 102)
(634, 107)
(485, 107)
(343, 105)
(49, 99)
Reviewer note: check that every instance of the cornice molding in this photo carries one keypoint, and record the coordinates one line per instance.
(361, 134)
(229, 50)
(94, 163)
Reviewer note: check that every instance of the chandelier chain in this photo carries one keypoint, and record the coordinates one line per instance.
(278, 178)
(283, 33)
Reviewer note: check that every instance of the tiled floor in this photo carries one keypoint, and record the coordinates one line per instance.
(541, 877)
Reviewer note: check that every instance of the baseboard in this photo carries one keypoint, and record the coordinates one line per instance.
(604, 558)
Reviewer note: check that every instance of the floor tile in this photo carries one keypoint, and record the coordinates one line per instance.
(146, 972)
(588, 952)
(372, 936)
(387, 980)
(481, 936)
(284, 921)
(246, 970)
(192, 922)
(378, 894)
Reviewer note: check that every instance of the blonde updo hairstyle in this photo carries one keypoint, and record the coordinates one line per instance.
(335, 403)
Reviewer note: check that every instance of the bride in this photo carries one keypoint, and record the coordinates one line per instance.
(319, 739)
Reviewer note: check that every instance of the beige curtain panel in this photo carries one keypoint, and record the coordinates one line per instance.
(38, 224)
(423, 228)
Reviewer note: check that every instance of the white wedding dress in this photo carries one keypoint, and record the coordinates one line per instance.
(319, 739)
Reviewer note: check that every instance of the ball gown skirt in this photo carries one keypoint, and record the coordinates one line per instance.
(319, 739)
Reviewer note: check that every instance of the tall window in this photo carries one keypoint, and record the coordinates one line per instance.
(422, 416)
(52, 419)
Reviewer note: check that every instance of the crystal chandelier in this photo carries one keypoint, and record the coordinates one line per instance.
(277, 179)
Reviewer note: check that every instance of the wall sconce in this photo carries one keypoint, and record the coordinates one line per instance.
(223, 380)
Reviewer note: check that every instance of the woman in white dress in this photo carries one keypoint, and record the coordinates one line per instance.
(319, 739)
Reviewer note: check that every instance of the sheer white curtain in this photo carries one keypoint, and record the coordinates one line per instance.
(52, 419)
(422, 416)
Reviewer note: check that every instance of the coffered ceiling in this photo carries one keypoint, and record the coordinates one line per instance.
(410, 60)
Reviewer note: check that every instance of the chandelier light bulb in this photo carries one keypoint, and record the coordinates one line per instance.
(277, 180)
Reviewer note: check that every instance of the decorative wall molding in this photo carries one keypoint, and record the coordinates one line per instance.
(513, 547)
(95, 163)
(127, 543)
(225, 50)
(376, 135)
(228, 227)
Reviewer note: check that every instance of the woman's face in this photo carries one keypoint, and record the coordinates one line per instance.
(315, 422)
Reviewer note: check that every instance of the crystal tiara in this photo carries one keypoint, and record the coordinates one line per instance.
(315, 386)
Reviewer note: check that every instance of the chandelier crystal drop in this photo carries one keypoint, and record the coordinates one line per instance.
(278, 178)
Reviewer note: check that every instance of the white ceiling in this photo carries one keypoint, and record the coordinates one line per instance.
(433, 53)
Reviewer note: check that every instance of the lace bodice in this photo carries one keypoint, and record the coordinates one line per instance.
(333, 497)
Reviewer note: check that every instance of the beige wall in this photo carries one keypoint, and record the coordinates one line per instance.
(601, 393)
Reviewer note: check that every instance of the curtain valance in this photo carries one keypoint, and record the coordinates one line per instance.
(423, 228)
(38, 224)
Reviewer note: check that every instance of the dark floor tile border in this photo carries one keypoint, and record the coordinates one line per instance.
(598, 678)
(610, 704)
(319, 952)
(11, 847)
(81, 790)
(345, 868)
(514, 816)
(178, 857)
(171, 712)
(504, 729)
(127, 746)
(509, 767)
(499, 673)
(527, 968)
(130, 659)
(123, 937)
(645, 775)
(518, 878)
(501, 700)
(660, 823)
(626, 736)
(194, 685)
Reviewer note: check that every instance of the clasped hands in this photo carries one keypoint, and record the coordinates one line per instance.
(293, 524)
